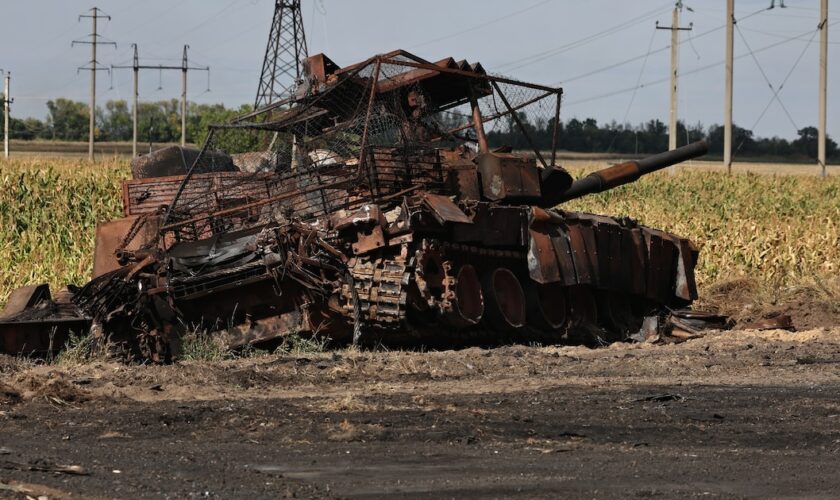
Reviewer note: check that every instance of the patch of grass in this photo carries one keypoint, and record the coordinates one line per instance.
(250, 351)
(295, 343)
(200, 345)
(80, 349)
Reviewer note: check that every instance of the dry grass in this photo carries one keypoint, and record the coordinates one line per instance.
(781, 231)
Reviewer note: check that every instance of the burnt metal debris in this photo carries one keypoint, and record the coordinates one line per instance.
(369, 206)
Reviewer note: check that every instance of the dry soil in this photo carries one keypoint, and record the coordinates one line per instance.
(734, 414)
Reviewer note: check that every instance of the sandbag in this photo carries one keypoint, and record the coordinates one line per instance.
(177, 160)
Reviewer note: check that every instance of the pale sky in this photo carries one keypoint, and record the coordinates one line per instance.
(575, 43)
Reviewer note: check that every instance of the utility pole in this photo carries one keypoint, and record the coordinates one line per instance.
(6, 101)
(823, 84)
(93, 67)
(675, 51)
(136, 67)
(727, 101)
(184, 68)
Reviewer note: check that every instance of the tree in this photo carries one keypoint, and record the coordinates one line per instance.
(573, 138)
(154, 123)
(654, 137)
(231, 141)
(115, 121)
(806, 144)
(67, 120)
(687, 134)
(27, 129)
(742, 140)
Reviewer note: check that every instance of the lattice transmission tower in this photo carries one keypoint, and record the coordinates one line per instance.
(284, 54)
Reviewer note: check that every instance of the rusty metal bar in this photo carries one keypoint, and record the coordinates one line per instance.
(520, 124)
(479, 76)
(556, 130)
(207, 141)
(366, 131)
(399, 193)
(478, 123)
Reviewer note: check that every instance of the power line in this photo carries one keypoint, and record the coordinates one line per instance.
(642, 56)
(675, 30)
(6, 102)
(180, 34)
(285, 53)
(639, 79)
(776, 93)
(766, 79)
(685, 73)
(777, 35)
(635, 91)
(481, 25)
(532, 59)
(236, 35)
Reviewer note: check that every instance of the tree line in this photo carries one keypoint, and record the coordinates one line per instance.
(652, 137)
(157, 122)
(160, 121)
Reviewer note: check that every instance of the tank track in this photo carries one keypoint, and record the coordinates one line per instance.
(386, 289)
(377, 297)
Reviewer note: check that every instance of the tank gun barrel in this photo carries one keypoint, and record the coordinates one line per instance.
(625, 173)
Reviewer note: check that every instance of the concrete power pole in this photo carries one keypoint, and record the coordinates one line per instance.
(93, 67)
(727, 105)
(823, 84)
(184, 68)
(136, 67)
(675, 52)
(6, 101)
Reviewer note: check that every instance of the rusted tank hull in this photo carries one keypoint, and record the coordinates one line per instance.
(373, 216)
(555, 272)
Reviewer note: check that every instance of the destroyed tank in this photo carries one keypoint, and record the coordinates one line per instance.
(379, 203)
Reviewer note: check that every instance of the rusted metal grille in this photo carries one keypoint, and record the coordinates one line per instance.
(361, 134)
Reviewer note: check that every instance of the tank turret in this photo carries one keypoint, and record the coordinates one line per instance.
(510, 178)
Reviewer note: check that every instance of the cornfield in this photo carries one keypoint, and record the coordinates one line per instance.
(780, 230)
(48, 215)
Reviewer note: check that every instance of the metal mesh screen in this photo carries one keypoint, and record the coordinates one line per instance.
(367, 134)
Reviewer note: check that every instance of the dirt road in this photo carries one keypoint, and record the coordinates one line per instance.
(739, 414)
